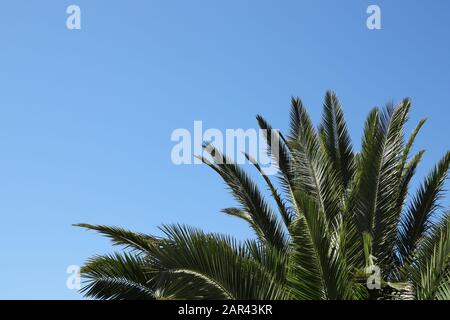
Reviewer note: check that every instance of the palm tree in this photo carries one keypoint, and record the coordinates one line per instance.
(344, 227)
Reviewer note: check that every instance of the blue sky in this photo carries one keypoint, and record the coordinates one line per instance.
(86, 115)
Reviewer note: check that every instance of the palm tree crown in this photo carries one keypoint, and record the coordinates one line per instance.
(344, 226)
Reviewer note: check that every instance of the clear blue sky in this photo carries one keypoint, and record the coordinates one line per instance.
(86, 116)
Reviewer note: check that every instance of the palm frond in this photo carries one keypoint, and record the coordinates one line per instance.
(416, 221)
(361, 202)
(218, 259)
(117, 277)
(317, 270)
(285, 211)
(120, 236)
(280, 153)
(387, 213)
(410, 143)
(255, 208)
(431, 271)
(336, 139)
(314, 173)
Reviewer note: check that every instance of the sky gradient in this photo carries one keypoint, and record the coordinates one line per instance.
(86, 115)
